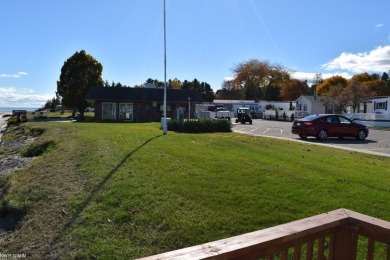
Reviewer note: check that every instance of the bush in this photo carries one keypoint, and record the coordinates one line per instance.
(200, 126)
(173, 125)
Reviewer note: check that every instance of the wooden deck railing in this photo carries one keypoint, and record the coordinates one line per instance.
(340, 234)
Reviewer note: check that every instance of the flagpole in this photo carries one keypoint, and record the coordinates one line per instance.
(165, 78)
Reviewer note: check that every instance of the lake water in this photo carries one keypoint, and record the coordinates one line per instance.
(9, 109)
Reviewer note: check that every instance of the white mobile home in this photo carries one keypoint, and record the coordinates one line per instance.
(380, 115)
(381, 105)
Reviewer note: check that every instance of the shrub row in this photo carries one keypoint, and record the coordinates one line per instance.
(199, 126)
(14, 120)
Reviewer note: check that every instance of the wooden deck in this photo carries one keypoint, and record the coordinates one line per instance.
(333, 235)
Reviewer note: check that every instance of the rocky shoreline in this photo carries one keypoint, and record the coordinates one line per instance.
(10, 161)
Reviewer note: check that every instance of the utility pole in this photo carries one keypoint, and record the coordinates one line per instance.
(164, 123)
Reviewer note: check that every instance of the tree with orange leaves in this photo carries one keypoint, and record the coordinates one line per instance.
(324, 88)
(293, 89)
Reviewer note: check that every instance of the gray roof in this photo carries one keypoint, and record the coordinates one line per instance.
(142, 94)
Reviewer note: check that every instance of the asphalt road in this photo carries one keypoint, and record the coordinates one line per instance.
(377, 142)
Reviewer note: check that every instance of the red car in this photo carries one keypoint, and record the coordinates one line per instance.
(324, 126)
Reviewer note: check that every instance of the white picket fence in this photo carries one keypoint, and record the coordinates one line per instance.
(369, 116)
(370, 119)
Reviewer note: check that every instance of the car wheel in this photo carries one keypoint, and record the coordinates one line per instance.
(236, 121)
(250, 121)
(303, 136)
(322, 135)
(361, 135)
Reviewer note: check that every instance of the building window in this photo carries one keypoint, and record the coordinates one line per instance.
(381, 105)
(305, 107)
(168, 108)
(108, 111)
(254, 108)
(126, 111)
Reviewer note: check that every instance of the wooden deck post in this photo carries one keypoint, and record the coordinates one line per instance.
(345, 242)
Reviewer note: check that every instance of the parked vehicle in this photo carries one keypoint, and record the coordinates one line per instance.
(243, 115)
(223, 113)
(324, 126)
(213, 112)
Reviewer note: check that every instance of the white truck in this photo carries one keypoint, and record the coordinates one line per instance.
(213, 112)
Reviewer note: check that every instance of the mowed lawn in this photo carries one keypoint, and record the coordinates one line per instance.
(126, 191)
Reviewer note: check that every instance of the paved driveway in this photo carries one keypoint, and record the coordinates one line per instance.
(377, 142)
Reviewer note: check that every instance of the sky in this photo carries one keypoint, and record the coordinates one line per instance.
(205, 39)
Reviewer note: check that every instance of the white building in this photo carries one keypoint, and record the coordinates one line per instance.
(308, 105)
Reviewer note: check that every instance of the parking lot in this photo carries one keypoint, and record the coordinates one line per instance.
(377, 142)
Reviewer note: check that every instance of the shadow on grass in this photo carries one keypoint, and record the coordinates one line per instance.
(336, 140)
(98, 187)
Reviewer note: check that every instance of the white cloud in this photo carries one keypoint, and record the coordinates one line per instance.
(379, 25)
(16, 75)
(11, 97)
(228, 78)
(377, 60)
(310, 76)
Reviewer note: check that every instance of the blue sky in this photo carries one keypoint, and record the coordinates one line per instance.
(205, 40)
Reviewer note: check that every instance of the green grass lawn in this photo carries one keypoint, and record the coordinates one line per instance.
(126, 191)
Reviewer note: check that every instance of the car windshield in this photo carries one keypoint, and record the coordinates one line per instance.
(311, 117)
(222, 109)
